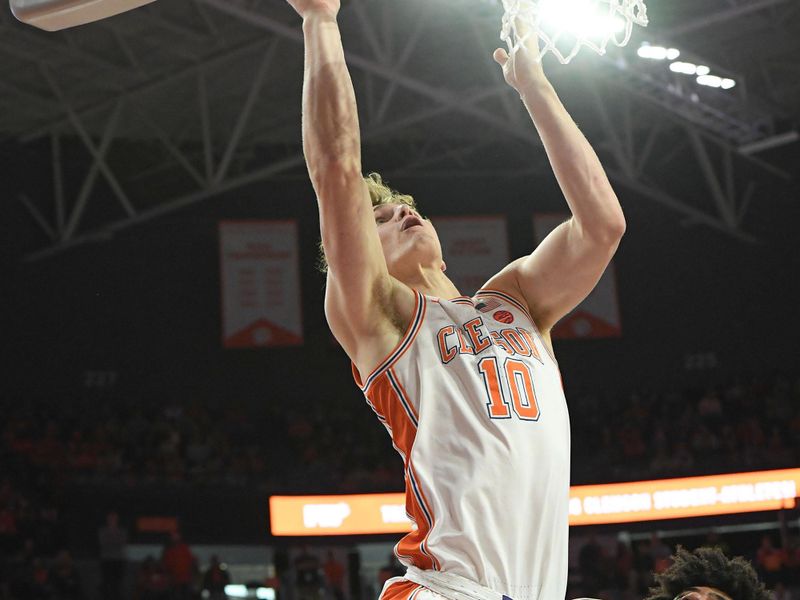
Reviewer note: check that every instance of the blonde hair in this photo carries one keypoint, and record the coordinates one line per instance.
(379, 194)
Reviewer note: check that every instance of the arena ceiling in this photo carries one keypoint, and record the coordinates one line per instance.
(199, 97)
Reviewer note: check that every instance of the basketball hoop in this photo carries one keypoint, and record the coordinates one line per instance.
(565, 26)
(54, 15)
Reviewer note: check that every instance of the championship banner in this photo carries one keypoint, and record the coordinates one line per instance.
(598, 315)
(260, 284)
(365, 514)
(474, 249)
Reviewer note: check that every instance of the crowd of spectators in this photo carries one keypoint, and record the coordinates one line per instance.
(47, 446)
(176, 575)
(626, 570)
(142, 443)
(35, 561)
(739, 426)
(36, 564)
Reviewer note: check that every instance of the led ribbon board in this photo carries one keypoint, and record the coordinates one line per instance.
(338, 515)
(365, 514)
(685, 497)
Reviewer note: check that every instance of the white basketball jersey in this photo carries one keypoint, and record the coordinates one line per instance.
(474, 404)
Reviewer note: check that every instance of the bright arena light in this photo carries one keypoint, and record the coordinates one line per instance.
(684, 68)
(716, 82)
(581, 18)
(687, 68)
(703, 74)
(658, 52)
(710, 81)
(241, 591)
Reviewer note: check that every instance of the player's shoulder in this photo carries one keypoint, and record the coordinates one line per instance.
(504, 286)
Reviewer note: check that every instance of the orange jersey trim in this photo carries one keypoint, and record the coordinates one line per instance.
(400, 349)
(401, 590)
(390, 401)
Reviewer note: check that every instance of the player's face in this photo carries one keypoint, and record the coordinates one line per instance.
(406, 237)
(702, 593)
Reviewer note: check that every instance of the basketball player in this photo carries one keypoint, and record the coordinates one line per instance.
(468, 388)
(707, 574)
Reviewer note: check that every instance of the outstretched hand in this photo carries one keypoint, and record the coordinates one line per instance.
(522, 68)
(306, 8)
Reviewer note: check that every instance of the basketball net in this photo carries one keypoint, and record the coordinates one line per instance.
(565, 26)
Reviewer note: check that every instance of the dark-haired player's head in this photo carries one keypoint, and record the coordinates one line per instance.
(707, 574)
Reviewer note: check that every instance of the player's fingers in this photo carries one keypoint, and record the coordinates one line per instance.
(501, 57)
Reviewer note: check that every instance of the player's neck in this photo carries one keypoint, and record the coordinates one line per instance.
(431, 282)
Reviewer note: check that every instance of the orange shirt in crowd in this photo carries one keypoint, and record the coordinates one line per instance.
(179, 563)
(770, 559)
(334, 573)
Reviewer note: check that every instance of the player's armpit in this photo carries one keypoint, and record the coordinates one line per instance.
(370, 334)
(561, 272)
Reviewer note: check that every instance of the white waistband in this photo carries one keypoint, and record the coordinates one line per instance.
(452, 586)
(455, 587)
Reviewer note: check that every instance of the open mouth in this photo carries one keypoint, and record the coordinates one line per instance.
(411, 221)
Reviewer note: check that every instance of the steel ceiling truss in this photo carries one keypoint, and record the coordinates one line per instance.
(751, 34)
(738, 116)
(727, 115)
(645, 158)
(220, 163)
(735, 9)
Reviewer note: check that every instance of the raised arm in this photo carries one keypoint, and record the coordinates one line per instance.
(358, 280)
(567, 265)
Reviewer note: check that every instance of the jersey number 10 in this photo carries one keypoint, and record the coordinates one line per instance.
(520, 388)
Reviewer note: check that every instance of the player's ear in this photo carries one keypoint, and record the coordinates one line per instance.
(444, 267)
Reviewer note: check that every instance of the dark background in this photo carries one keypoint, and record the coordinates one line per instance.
(133, 318)
(146, 303)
